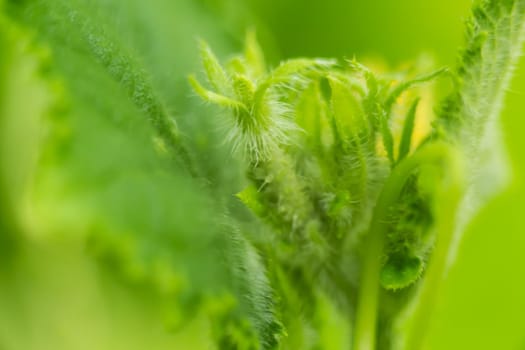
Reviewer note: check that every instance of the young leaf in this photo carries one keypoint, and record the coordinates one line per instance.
(408, 129)
(402, 87)
(217, 76)
(494, 38)
(254, 56)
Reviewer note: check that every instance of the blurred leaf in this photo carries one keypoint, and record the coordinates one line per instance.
(482, 304)
(114, 168)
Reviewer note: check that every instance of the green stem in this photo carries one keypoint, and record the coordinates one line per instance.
(368, 297)
(451, 194)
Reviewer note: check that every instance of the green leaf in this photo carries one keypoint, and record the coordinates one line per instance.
(494, 37)
(408, 129)
(400, 272)
(254, 56)
(405, 85)
(217, 76)
(463, 311)
(215, 98)
(114, 172)
(388, 138)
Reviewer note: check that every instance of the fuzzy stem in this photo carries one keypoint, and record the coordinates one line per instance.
(451, 194)
(368, 297)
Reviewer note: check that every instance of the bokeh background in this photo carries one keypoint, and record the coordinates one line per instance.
(483, 300)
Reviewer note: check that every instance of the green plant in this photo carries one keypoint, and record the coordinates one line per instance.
(333, 179)
(342, 203)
